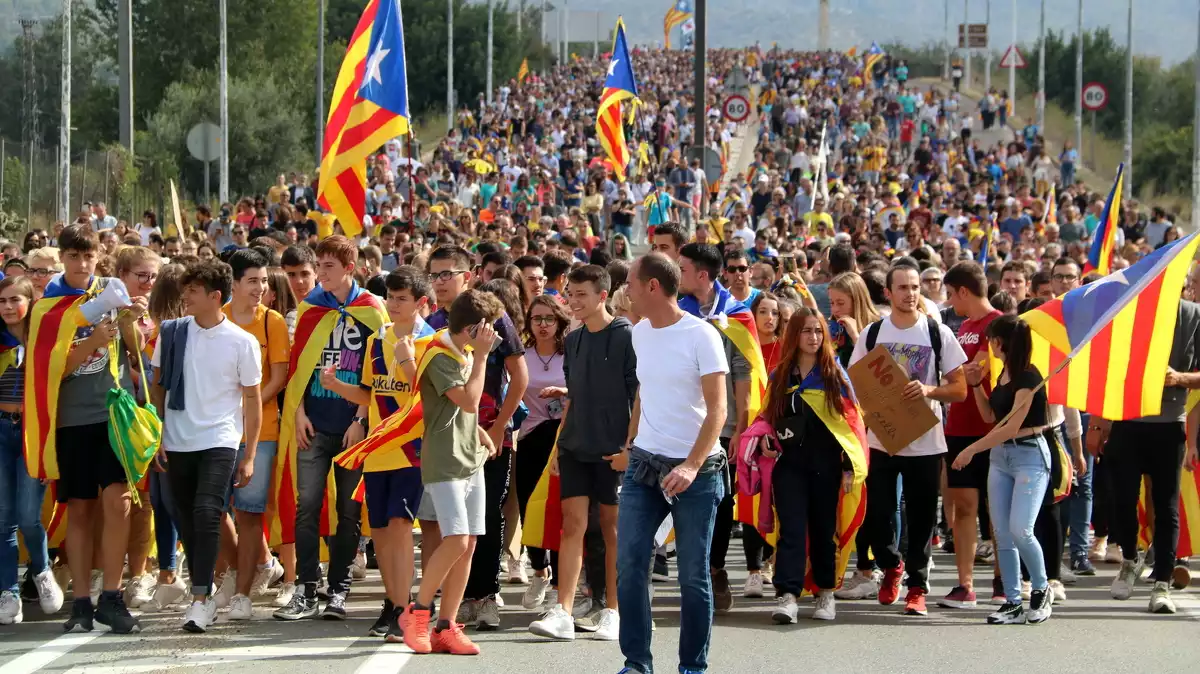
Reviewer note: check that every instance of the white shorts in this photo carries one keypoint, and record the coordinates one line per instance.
(459, 505)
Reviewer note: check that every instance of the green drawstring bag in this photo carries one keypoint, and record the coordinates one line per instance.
(134, 431)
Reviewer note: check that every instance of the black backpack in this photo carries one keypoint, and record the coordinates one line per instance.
(935, 342)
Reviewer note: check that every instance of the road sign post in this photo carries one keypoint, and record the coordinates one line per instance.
(1094, 98)
(204, 142)
(736, 108)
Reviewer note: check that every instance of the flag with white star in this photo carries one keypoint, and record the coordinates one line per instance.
(385, 79)
(619, 85)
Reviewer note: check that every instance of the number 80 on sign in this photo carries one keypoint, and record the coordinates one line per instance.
(736, 108)
(1095, 96)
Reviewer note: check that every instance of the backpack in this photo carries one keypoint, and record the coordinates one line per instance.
(935, 342)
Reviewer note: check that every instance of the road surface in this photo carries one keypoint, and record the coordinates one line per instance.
(1089, 633)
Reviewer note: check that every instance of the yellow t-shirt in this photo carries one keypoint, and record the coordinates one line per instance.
(813, 219)
(271, 331)
(389, 393)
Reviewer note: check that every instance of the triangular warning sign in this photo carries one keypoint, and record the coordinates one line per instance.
(1012, 58)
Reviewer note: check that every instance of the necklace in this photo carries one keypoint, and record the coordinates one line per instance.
(546, 362)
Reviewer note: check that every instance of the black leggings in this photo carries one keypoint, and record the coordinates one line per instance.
(532, 456)
(805, 491)
(200, 482)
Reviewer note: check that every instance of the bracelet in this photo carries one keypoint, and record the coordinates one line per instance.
(407, 360)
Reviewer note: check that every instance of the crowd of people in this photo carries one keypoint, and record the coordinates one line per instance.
(494, 299)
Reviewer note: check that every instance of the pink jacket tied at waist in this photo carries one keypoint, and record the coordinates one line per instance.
(754, 470)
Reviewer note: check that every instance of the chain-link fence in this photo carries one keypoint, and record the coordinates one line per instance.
(31, 179)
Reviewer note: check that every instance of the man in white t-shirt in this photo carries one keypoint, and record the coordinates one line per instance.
(907, 335)
(672, 462)
(208, 375)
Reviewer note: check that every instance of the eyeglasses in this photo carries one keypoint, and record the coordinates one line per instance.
(543, 320)
(40, 272)
(447, 275)
(146, 277)
(1065, 278)
(239, 232)
(737, 269)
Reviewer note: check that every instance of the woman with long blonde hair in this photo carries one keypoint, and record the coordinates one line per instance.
(852, 310)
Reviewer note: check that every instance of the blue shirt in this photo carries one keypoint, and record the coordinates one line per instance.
(1013, 226)
(659, 209)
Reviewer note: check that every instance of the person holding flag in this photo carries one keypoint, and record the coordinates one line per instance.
(332, 327)
(620, 85)
(705, 298)
(679, 12)
(370, 107)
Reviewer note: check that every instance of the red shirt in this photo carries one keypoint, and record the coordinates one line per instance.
(770, 354)
(906, 130)
(962, 419)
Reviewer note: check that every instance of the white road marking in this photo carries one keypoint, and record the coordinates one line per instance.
(207, 658)
(45, 654)
(387, 659)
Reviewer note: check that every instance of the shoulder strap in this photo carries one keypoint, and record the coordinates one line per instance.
(935, 342)
(873, 334)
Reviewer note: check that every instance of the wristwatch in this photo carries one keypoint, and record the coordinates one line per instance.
(361, 420)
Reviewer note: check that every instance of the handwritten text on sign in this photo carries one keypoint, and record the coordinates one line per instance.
(879, 384)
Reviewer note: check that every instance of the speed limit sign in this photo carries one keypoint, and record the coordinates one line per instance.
(736, 108)
(1095, 96)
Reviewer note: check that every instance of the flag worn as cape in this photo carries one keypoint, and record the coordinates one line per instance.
(317, 317)
(850, 431)
(403, 428)
(1189, 506)
(735, 321)
(53, 321)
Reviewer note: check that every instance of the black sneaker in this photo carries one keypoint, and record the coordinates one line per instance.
(948, 543)
(380, 628)
(299, 608)
(28, 589)
(112, 612)
(736, 530)
(335, 608)
(1041, 604)
(1008, 614)
(372, 561)
(81, 616)
(722, 595)
(395, 635)
(661, 573)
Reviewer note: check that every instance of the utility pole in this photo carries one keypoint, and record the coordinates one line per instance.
(987, 63)
(491, 15)
(64, 132)
(320, 134)
(967, 40)
(823, 26)
(1041, 94)
(125, 72)
(946, 36)
(566, 33)
(1079, 83)
(449, 68)
(520, 16)
(1129, 106)
(1012, 72)
(700, 105)
(223, 185)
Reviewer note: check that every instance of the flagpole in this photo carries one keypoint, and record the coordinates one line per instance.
(700, 56)
(491, 8)
(449, 71)
(1128, 154)
(223, 183)
(1079, 84)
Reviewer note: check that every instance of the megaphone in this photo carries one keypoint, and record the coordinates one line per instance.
(114, 297)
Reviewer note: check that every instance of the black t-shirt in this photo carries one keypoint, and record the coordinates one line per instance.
(1004, 395)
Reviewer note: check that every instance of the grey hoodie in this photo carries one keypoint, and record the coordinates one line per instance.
(601, 373)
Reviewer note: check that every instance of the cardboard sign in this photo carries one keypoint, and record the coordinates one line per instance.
(878, 383)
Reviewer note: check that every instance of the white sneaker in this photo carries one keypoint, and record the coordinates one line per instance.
(535, 594)
(240, 608)
(97, 585)
(139, 590)
(488, 616)
(167, 595)
(786, 609)
(285, 594)
(227, 590)
(860, 586)
(516, 571)
(1122, 585)
(1160, 598)
(556, 624)
(499, 600)
(608, 625)
(200, 616)
(11, 612)
(265, 578)
(50, 595)
(826, 606)
(1057, 589)
(754, 586)
(358, 568)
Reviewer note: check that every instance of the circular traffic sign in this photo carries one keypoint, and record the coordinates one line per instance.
(1095, 96)
(204, 141)
(736, 108)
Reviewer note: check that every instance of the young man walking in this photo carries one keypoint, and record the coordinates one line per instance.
(601, 373)
(208, 388)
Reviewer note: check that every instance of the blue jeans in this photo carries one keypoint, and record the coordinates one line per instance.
(1079, 510)
(20, 508)
(1019, 474)
(640, 513)
(165, 516)
(1067, 171)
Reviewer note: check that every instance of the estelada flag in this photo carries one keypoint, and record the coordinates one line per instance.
(620, 85)
(1103, 347)
(399, 430)
(1104, 241)
(734, 320)
(541, 526)
(850, 432)
(1189, 506)
(318, 316)
(370, 107)
(53, 322)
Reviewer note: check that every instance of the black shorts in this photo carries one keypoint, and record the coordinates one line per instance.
(595, 480)
(86, 462)
(975, 475)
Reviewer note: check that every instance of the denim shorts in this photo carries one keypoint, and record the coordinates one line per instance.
(459, 505)
(253, 497)
(393, 494)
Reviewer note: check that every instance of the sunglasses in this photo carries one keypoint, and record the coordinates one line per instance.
(738, 269)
